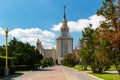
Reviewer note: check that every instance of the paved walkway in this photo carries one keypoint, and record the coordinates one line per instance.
(53, 73)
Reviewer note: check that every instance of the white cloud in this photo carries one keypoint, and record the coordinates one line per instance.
(1, 31)
(81, 23)
(56, 27)
(48, 37)
(31, 36)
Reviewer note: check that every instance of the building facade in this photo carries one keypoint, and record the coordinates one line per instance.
(40, 47)
(64, 43)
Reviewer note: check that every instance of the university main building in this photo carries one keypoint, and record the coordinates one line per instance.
(64, 44)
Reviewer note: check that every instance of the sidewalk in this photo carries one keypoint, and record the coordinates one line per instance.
(53, 73)
(82, 75)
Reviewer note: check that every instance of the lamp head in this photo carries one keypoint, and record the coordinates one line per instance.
(6, 31)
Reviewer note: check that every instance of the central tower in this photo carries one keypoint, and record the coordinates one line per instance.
(64, 43)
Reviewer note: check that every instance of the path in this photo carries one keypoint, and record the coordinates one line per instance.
(53, 73)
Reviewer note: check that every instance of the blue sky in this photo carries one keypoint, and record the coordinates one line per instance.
(28, 20)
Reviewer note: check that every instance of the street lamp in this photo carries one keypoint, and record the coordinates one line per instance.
(6, 67)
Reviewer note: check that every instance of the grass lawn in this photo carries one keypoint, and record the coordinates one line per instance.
(80, 67)
(112, 68)
(107, 76)
(104, 76)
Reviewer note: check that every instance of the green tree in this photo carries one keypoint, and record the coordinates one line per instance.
(47, 62)
(103, 49)
(23, 53)
(38, 57)
(102, 55)
(87, 46)
(2, 50)
(111, 11)
(85, 55)
(96, 48)
(69, 60)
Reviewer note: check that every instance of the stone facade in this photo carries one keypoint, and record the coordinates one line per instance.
(64, 44)
(40, 47)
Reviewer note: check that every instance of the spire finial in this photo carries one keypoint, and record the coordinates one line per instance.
(64, 12)
(38, 40)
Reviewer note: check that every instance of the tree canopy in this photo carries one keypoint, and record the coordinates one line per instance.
(102, 45)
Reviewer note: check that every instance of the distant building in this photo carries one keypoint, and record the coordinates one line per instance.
(40, 47)
(64, 44)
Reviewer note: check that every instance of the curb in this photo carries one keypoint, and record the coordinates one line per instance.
(93, 76)
(85, 73)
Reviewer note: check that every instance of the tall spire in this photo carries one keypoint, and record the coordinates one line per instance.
(64, 12)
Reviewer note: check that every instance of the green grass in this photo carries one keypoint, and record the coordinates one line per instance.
(112, 68)
(78, 67)
(107, 76)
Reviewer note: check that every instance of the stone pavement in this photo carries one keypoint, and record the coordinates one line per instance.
(53, 73)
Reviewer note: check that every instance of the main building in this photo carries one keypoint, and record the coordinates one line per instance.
(64, 43)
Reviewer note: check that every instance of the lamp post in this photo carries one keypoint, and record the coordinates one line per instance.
(6, 66)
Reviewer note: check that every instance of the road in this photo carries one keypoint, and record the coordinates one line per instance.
(53, 73)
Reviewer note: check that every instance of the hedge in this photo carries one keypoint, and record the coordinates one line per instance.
(1, 71)
(11, 70)
(19, 68)
(26, 67)
(3, 61)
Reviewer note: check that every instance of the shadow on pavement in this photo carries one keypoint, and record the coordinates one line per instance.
(12, 76)
(45, 69)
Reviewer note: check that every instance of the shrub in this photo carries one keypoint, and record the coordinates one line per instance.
(47, 62)
(2, 65)
(44, 62)
(3, 59)
(26, 67)
(36, 66)
(21, 67)
(78, 67)
(1, 71)
(11, 70)
(69, 60)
